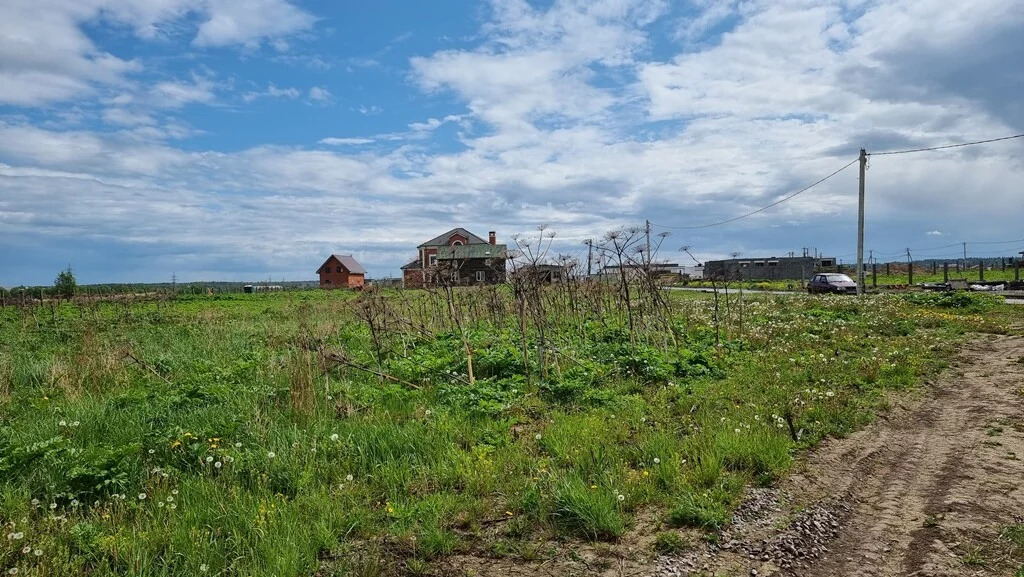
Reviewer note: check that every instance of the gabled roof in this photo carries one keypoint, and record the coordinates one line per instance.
(442, 239)
(346, 261)
(414, 265)
(485, 250)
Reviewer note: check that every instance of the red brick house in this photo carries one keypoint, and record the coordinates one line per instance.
(465, 257)
(341, 271)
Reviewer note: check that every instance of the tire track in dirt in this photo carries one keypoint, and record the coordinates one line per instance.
(927, 488)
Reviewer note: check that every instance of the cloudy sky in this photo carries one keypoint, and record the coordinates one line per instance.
(247, 139)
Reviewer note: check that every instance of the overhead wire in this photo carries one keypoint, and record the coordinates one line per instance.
(945, 146)
(764, 208)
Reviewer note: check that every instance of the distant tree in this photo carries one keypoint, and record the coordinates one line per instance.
(65, 283)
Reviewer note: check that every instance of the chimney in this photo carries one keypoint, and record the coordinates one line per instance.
(492, 237)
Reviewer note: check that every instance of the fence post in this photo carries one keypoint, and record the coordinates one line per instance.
(1016, 269)
(945, 272)
(886, 269)
(874, 275)
(981, 270)
(910, 272)
(934, 269)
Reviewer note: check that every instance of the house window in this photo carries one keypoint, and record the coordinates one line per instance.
(773, 263)
(758, 263)
(456, 243)
(328, 281)
(339, 268)
(432, 260)
(481, 276)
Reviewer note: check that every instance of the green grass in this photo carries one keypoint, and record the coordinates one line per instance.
(237, 449)
(671, 543)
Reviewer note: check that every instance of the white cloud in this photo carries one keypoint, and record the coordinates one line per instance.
(175, 94)
(124, 117)
(272, 91)
(250, 21)
(934, 233)
(46, 57)
(334, 141)
(319, 94)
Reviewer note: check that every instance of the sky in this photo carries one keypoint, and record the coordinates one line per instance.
(249, 139)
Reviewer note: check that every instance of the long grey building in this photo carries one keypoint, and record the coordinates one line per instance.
(773, 268)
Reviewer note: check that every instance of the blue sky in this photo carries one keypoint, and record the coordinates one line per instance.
(248, 139)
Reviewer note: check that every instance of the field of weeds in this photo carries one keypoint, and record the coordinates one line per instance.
(333, 433)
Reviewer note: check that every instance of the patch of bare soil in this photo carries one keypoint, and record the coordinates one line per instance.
(923, 492)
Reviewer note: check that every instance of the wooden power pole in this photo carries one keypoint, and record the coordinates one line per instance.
(860, 223)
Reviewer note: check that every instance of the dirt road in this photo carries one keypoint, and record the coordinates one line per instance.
(925, 491)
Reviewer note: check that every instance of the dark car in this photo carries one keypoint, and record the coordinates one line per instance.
(832, 283)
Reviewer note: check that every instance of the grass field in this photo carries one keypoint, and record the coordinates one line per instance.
(332, 433)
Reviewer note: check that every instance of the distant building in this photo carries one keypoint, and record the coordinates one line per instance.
(341, 271)
(658, 269)
(461, 256)
(259, 288)
(773, 268)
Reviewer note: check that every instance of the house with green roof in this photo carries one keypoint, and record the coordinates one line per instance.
(459, 257)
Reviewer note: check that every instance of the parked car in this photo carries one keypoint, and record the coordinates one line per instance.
(831, 283)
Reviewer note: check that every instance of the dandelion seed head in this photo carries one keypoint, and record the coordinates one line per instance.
(142, 496)
(151, 451)
(271, 455)
(621, 497)
(209, 459)
(537, 436)
(26, 549)
(238, 445)
(334, 437)
(349, 478)
(217, 464)
(63, 423)
(204, 567)
(657, 461)
(38, 552)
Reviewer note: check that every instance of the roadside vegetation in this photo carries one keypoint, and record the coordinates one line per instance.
(294, 433)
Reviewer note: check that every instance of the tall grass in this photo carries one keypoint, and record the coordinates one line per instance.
(212, 433)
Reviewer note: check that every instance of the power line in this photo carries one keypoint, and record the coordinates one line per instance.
(762, 209)
(946, 146)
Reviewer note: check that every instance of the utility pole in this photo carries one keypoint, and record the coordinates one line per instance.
(647, 227)
(965, 260)
(860, 223)
(910, 268)
(590, 254)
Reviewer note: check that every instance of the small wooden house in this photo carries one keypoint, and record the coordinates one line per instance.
(341, 271)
